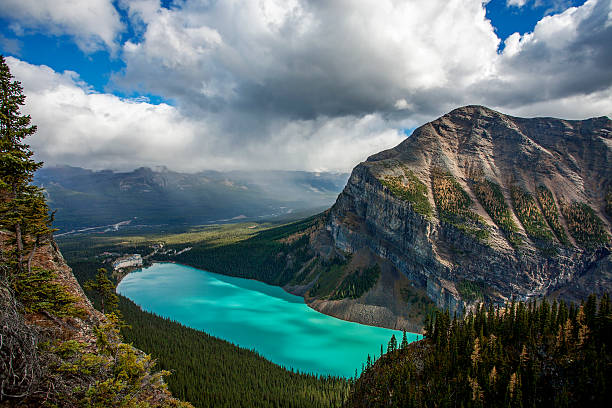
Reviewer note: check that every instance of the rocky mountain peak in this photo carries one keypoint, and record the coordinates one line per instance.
(482, 206)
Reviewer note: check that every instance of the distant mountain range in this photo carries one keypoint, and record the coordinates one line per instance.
(85, 198)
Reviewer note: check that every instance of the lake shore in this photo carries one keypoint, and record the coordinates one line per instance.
(257, 316)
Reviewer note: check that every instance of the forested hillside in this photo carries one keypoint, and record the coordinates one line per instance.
(267, 256)
(209, 372)
(524, 355)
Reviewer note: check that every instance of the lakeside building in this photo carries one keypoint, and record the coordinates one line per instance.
(127, 261)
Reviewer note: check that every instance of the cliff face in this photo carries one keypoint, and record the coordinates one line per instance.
(481, 206)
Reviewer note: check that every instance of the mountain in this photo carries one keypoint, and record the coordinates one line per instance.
(85, 198)
(474, 206)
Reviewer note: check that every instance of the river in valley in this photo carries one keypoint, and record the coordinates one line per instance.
(254, 315)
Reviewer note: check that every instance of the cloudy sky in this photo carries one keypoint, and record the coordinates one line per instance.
(290, 84)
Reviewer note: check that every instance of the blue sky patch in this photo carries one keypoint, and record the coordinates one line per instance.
(508, 20)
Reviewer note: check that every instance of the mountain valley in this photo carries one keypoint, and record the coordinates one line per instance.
(86, 199)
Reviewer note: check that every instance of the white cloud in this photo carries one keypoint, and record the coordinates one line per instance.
(566, 58)
(326, 144)
(558, 30)
(94, 24)
(306, 58)
(81, 127)
(94, 130)
(577, 107)
(173, 45)
(302, 59)
(11, 45)
(402, 104)
(516, 3)
(313, 85)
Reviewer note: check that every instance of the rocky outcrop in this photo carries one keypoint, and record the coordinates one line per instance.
(490, 231)
(57, 349)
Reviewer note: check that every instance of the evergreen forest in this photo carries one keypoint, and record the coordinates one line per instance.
(210, 372)
(523, 355)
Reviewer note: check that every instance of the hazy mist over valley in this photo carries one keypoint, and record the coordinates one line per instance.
(85, 198)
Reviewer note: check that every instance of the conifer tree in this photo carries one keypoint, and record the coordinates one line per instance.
(104, 290)
(23, 210)
(590, 309)
(404, 343)
(392, 346)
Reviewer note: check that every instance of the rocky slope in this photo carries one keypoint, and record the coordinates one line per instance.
(58, 350)
(474, 206)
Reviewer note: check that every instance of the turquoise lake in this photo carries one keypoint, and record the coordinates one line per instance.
(278, 325)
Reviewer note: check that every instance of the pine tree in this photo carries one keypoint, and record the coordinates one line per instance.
(590, 309)
(104, 291)
(392, 346)
(404, 341)
(22, 206)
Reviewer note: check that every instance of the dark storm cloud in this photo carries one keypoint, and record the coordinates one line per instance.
(302, 60)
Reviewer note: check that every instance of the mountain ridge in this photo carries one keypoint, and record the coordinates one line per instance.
(85, 198)
(479, 206)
